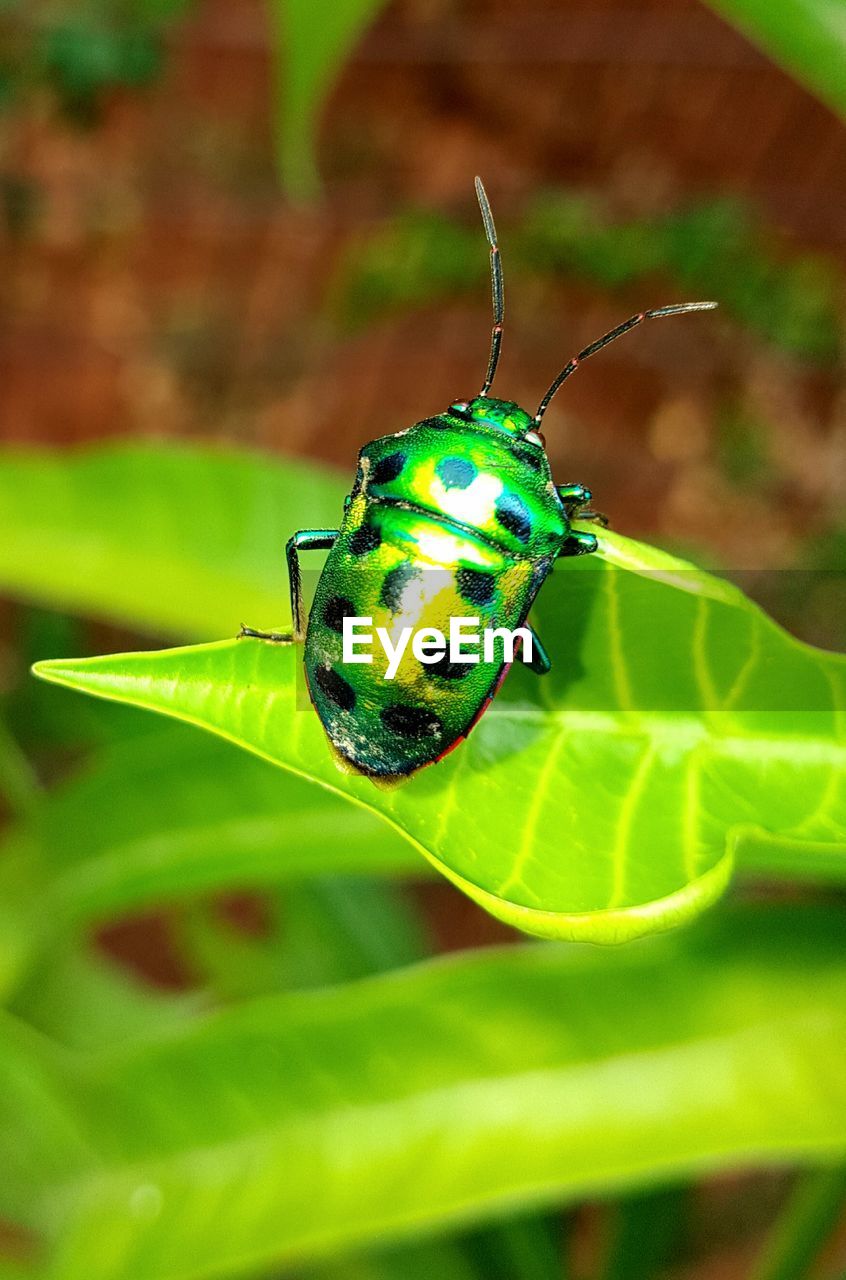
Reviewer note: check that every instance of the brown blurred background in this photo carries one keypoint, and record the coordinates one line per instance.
(156, 280)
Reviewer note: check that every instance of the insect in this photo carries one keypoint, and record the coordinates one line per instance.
(457, 515)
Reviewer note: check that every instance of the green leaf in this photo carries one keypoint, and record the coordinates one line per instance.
(310, 45)
(44, 718)
(85, 1001)
(311, 1122)
(97, 848)
(41, 1139)
(190, 541)
(606, 800)
(173, 540)
(808, 38)
(221, 820)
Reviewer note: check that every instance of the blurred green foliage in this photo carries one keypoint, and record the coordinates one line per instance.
(716, 249)
(294, 1125)
(81, 49)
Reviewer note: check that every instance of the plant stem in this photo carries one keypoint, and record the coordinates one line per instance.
(809, 1217)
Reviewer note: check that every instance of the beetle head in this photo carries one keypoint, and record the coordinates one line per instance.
(497, 415)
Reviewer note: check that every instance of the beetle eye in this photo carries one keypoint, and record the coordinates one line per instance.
(535, 437)
(460, 407)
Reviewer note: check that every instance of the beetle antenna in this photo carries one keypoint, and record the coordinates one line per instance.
(496, 285)
(678, 309)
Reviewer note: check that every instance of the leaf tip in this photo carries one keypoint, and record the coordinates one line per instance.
(49, 669)
(60, 670)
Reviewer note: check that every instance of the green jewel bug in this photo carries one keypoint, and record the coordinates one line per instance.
(457, 515)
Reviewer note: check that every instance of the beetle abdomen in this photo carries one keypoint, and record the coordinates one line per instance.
(407, 569)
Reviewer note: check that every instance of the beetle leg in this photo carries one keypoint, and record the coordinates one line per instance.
(278, 637)
(540, 661)
(304, 540)
(573, 495)
(596, 517)
(575, 498)
(578, 544)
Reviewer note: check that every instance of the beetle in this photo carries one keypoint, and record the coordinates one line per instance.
(456, 515)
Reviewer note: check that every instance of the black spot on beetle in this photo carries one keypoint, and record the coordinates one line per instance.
(475, 586)
(447, 670)
(411, 722)
(456, 473)
(513, 515)
(335, 610)
(366, 538)
(396, 580)
(388, 468)
(531, 457)
(336, 688)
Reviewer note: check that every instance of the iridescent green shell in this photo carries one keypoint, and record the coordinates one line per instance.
(458, 516)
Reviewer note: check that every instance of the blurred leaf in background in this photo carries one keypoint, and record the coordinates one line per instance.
(808, 38)
(308, 56)
(294, 1125)
(83, 50)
